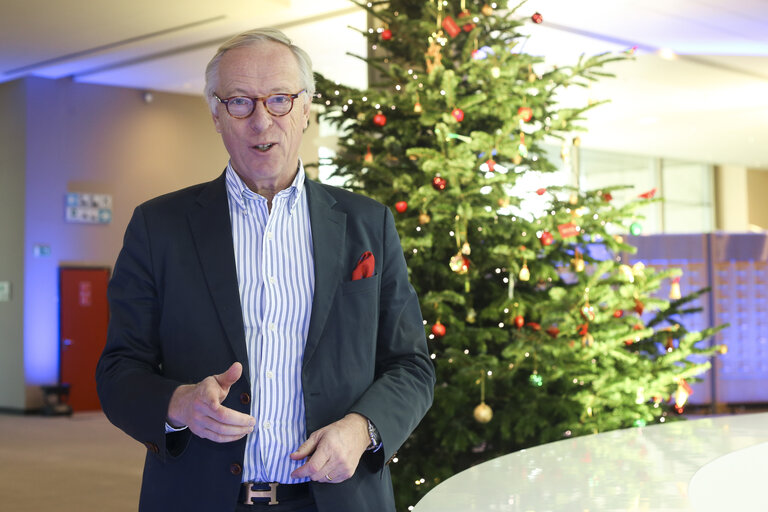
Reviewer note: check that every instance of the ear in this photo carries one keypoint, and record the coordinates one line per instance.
(305, 113)
(216, 121)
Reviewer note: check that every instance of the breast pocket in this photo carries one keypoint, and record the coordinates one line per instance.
(367, 285)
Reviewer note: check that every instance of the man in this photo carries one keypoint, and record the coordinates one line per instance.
(264, 342)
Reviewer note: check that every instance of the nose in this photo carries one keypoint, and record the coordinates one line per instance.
(260, 119)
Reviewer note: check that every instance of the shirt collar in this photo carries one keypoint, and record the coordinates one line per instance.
(238, 191)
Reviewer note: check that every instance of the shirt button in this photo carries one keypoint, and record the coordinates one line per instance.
(270, 375)
(272, 280)
(267, 425)
(272, 327)
(269, 235)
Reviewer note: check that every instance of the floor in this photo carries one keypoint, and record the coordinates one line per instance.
(79, 463)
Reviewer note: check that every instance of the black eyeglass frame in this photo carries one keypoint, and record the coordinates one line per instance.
(263, 101)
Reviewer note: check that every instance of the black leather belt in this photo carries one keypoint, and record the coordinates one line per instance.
(272, 493)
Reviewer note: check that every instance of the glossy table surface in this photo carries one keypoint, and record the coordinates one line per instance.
(704, 465)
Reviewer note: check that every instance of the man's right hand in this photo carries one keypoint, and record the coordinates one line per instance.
(198, 406)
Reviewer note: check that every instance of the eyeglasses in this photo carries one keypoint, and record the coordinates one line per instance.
(277, 105)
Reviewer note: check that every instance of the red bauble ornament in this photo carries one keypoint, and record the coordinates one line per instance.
(519, 321)
(537, 18)
(401, 206)
(547, 238)
(541, 191)
(491, 165)
(438, 329)
(534, 326)
(618, 313)
(553, 331)
(458, 114)
(525, 113)
(379, 119)
(467, 27)
(439, 183)
(386, 34)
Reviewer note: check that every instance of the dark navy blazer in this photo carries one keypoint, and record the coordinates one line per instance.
(176, 319)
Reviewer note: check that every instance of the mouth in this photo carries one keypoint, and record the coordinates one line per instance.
(263, 147)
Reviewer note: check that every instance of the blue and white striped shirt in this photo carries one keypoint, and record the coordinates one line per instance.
(275, 273)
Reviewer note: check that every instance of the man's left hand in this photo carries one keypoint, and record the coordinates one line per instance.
(334, 451)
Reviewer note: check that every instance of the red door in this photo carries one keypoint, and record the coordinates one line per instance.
(83, 318)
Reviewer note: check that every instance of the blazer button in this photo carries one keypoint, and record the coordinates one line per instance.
(245, 398)
(235, 469)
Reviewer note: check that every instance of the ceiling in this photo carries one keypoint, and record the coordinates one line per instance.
(697, 90)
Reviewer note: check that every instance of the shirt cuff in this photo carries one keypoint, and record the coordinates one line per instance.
(169, 429)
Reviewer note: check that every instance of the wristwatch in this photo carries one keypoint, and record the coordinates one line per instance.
(373, 433)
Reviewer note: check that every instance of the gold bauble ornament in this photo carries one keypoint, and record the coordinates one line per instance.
(525, 274)
(417, 108)
(424, 218)
(487, 10)
(466, 250)
(483, 413)
(471, 316)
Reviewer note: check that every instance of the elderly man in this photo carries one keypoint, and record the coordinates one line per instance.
(264, 343)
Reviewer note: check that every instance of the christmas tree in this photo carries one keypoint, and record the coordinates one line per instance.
(538, 326)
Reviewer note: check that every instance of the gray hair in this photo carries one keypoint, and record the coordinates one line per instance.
(254, 38)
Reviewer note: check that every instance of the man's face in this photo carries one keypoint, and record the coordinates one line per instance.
(264, 149)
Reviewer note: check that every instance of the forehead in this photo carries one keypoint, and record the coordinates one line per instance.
(265, 67)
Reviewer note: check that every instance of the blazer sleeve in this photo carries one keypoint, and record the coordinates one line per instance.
(402, 391)
(133, 392)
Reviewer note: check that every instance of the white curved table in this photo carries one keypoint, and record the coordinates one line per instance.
(705, 465)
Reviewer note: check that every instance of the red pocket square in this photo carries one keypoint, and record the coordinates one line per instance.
(364, 266)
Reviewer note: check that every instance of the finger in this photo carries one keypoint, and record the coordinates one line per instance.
(229, 377)
(313, 468)
(306, 449)
(231, 417)
(218, 437)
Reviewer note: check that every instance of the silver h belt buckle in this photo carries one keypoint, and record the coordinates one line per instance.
(271, 494)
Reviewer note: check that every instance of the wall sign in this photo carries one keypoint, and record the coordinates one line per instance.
(89, 208)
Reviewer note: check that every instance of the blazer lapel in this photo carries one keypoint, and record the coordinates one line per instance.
(328, 233)
(212, 232)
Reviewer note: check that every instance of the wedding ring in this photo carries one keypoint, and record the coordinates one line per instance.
(328, 478)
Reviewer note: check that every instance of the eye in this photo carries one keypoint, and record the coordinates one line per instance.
(279, 99)
(240, 101)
